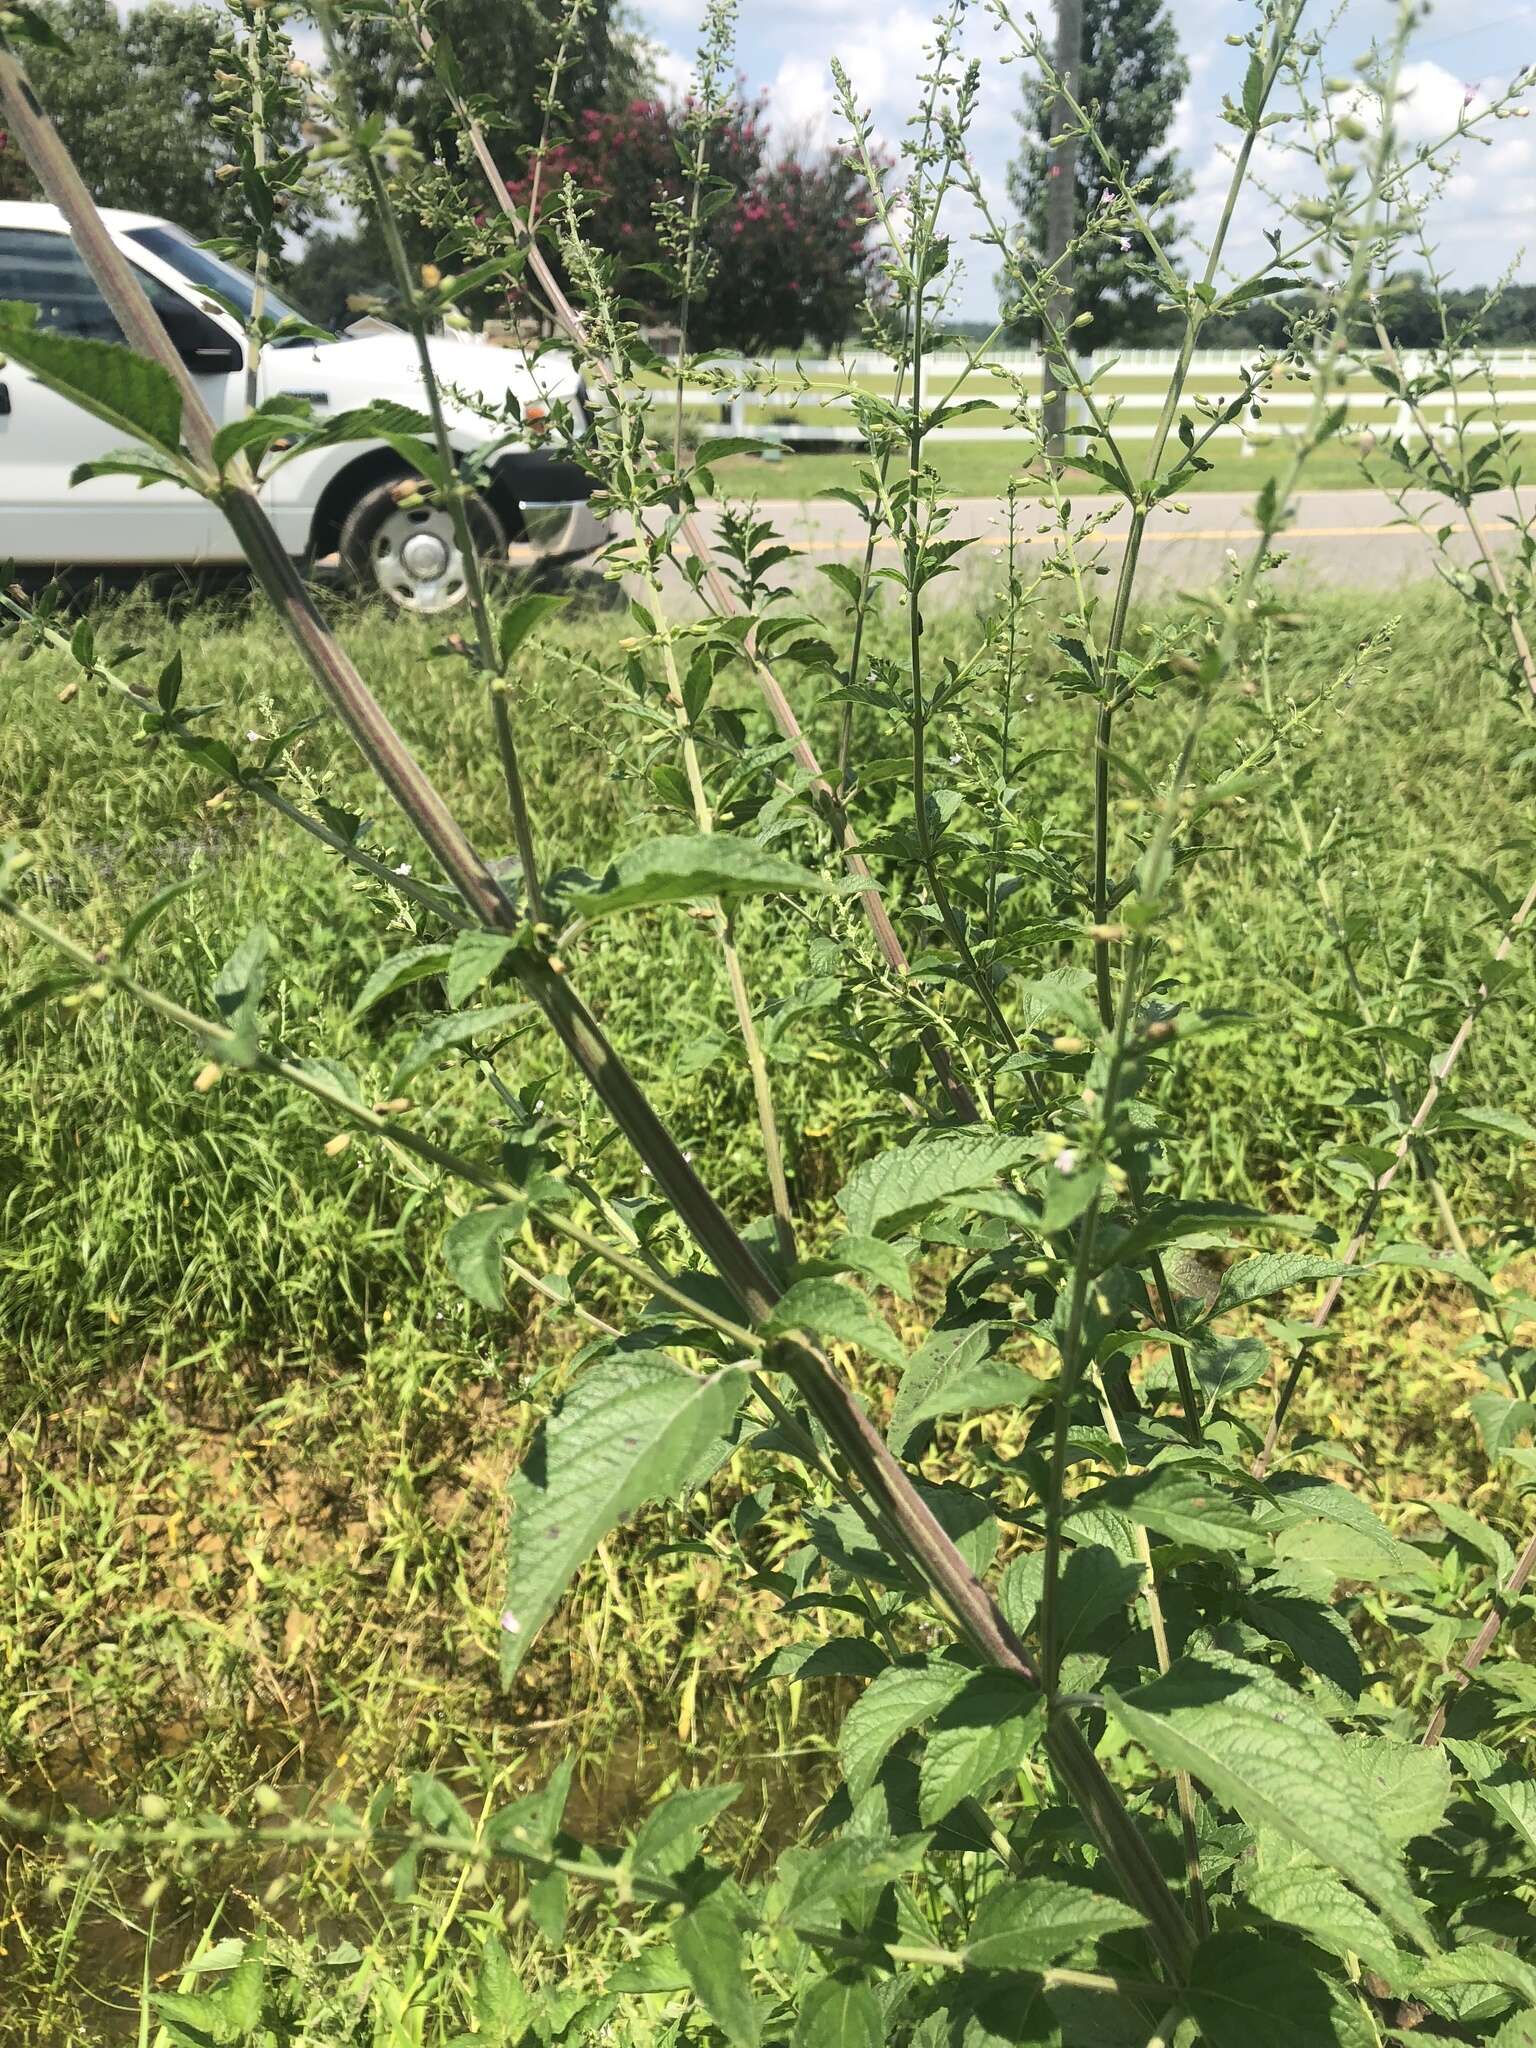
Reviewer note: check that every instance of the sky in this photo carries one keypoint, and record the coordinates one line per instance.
(1484, 222)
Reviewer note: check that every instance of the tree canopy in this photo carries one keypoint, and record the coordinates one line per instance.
(132, 96)
(788, 248)
(1131, 77)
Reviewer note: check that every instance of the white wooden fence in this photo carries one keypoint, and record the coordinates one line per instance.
(1374, 409)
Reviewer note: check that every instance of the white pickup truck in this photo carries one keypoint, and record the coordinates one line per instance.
(333, 507)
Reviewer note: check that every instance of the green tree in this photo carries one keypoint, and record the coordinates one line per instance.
(1131, 78)
(132, 97)
(504, 54)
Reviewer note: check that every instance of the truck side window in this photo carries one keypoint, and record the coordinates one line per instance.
(45, 270)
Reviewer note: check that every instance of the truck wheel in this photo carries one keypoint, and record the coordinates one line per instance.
(410, 554)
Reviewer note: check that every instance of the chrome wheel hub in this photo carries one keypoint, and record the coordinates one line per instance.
(416, 560)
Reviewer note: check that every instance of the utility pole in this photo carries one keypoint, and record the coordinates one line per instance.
(1061, 220)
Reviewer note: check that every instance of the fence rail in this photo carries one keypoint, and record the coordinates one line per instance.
(1375, 411)
(1123, 362)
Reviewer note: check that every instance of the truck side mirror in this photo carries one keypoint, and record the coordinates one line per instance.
(200, 342)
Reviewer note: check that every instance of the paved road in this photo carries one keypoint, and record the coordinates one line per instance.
(1343, 538)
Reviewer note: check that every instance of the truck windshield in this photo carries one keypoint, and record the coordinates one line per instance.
(201, 267)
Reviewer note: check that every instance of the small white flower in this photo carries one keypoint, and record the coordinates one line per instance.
(1066, 1160)
(403, 869)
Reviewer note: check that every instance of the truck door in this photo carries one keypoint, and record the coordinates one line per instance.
(109, 519)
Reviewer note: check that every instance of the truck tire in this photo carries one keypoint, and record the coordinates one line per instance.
(409, 554)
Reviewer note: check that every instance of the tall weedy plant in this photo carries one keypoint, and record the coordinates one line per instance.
(1117, 1770)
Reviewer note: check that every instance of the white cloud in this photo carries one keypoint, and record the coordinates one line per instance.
(801, 107)
(674, 73)
(1480, 219)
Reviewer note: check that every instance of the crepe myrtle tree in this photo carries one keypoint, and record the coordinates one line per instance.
(785, 235)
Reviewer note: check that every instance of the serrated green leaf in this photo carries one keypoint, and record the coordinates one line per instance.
(899, 1700)
(1344, 1550)
(1167, 1224)
(1513, 1798)
(1478, 1536)
(1473, 1965)
(1320, 1906)
(474, 959)
(945, 1354)
(686, 868)
(524, 617)
(129, 392)
(655, 1970)
(1406, 1786)
(987, 1729)
(1272, 1273)
(884, 1264)
(548, 1899)
(906, 1183)
(837, 1657)
(1033, 1924)
(1264, 1751)
(833, 1310)
(839, 2012)
(668, 1837)
(979, 1389)
(718, 446)
(502, 2006)
(1185, 1506)
(446, 1032)
(1421, 1258)
(414, 964)
(245, 1993)
(1223, 1366)
(711, 1949)
(1094, 1584)
(528, 1827)
(473, 1248)
(1504, 1121)
(630, 1430)
(193, 2019)
(1314, 1632)
(147, 465)
(237, 992)
(1247, 1992)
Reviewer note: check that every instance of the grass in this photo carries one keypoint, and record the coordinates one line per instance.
(980, 469)
(983, 469)
(256, 1442)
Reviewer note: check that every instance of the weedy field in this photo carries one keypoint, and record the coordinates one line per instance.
(256, 1441)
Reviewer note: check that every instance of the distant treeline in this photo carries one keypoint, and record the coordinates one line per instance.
(1411, 312)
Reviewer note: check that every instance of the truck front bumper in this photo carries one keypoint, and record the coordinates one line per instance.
(546, 497)
(555, 530)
